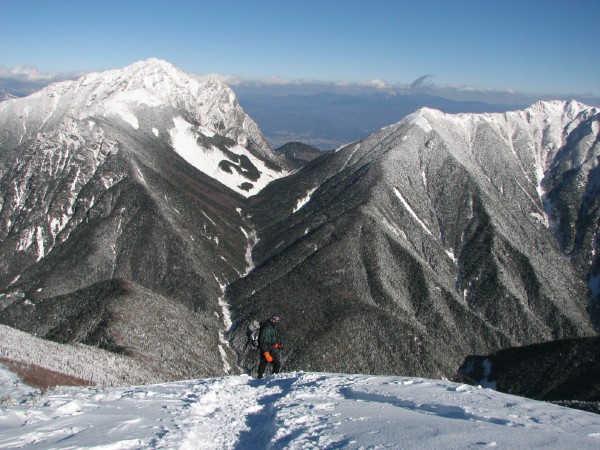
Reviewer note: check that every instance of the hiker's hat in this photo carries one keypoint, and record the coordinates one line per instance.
(275, 318)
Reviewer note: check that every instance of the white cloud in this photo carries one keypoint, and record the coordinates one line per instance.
(24, 80)
(231, 80)
(235, 80)
(31, 79)
(422, 83)
(377, 84)
(27, 79)
(31, 74)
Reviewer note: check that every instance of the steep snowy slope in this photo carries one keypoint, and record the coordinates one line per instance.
(425, 242)
(119, 199)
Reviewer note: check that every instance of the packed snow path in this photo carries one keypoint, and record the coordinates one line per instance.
(296, 410)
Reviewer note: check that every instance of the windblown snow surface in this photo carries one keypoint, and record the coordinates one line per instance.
(294, 410)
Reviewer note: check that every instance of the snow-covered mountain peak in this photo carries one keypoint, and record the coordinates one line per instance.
(155, 64)
(545, 121)
(153, 74)
(149, 112)
(121, 93)
(160, 79)
(558, 107)
(561, 111)
(513, 155)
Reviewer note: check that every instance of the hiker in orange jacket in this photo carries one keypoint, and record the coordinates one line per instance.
(268, 343)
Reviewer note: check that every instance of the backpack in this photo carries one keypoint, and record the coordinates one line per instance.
(252, 332)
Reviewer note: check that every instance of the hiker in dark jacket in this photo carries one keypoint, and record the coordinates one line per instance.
(268, 343)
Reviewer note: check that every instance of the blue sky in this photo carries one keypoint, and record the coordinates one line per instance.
(532, 46)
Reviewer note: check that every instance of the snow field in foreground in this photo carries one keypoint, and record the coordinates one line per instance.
(295, 410)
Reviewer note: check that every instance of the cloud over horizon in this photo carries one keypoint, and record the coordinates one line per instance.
(24, 80)
(422, 84)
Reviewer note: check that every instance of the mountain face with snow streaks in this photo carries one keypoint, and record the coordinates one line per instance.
(434, 238)
(137, 204)
(120, 192)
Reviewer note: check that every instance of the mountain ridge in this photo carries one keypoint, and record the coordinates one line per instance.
(434, 226)
(424, 231)
(141, 196)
